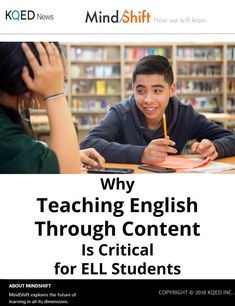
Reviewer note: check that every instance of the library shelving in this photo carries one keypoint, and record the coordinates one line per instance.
(230, 82)
(231, 77)
(99, 75)
(200, 76)
(94, 82)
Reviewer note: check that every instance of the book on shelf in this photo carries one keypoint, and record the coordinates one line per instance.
(101, 87)
(135, 53)
(88, 104)
(87, 54)
(198, 86)
(108, 71)
(231, 85)
(83, 87)
(231, 70)
(192, 69)
(159, 51)
(231, 103)
(199, 53)
(89, 71)
(75, 71)
(116, 70)
(104, 71)
(75, 105)
(231, 53)
(129, 68)
(99, 71)
(204, 103)
(111, 88)
(128, 86)
(111, 53)
(88, 120)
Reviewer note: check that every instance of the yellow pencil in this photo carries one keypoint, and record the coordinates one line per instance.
(164, 125)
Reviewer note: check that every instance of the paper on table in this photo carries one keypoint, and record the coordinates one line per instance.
(213, 167)
(183, 163)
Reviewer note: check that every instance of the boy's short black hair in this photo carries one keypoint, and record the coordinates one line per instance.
(154, 64)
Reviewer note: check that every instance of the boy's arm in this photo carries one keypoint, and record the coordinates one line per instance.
(107, 139)
(202, 128)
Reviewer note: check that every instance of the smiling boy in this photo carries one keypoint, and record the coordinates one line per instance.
(132, 131)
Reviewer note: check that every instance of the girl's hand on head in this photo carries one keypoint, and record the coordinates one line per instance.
(48, 77)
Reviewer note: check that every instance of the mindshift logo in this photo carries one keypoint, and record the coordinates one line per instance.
(128, 16)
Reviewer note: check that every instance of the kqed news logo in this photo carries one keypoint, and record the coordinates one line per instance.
(26, 15)
(126, 16)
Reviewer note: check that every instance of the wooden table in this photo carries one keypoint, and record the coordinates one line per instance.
(228, 160)
(219, 116)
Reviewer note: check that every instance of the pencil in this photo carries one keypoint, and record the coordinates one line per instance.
(164, 125)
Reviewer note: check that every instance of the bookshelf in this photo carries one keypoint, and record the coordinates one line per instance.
(99, 75)
(231, 77)
(94, 82)
(230, 83)
(200, 76)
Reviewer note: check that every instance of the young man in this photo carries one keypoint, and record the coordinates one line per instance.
(132, 131)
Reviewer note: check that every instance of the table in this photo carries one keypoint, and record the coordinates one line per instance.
(228, 160)
(219, 116)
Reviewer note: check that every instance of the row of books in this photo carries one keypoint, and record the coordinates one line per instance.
(231, 103)
(231, 85)
(189, 86)
(231, 53)
(88, 121)
(42, 127)
(90, 104)
(205, 53)
(198, 86)
(198, 102)
(198, 69)
(184, 69)
(128, 69)
(204, 103)
(99, 87)
(128, 86)
(95, 53)
(112, 87)
(231, 69)
(135, 53)
(98, 71)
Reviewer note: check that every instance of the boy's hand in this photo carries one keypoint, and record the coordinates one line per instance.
(206, 148)
(157, 151)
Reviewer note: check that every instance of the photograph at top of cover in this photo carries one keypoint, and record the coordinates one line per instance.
(69, 107)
